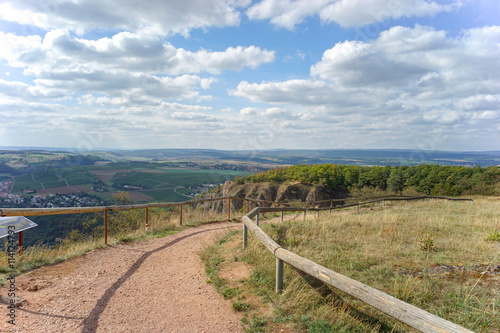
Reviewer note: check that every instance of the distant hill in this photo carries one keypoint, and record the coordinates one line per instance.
(382, 157)
(364, 157)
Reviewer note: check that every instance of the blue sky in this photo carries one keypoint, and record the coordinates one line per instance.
(238, 74)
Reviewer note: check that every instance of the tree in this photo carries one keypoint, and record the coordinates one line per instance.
(123, 197)
(396, 180)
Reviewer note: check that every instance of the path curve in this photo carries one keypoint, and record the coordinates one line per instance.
(152, 286)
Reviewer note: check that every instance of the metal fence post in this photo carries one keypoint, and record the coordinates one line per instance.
(383, 203)
(257, 219)
(281, 216)
(180, 215)
(228, 208)
(357, 208)
(304, 215)
(147, 218)
(279, 275)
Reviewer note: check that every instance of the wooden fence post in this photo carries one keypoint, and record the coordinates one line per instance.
(181, 215)
(318, 214)
(147, 218)
(229, 208)
(304, 215)
(257, 219)
(20, 234)
(383, 203)
(245, 235)
(248, 206)
(106, 227)
(357, 208)
(279, 275)
(281, 216)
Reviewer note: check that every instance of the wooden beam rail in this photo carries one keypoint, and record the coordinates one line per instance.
(106, 209)
(405, 313)
(80, 210)
(408, 314)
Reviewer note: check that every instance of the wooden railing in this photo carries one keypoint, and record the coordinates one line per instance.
(106, 209)
(408, 314)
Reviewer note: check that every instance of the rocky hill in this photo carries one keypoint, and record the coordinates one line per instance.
(285, 192)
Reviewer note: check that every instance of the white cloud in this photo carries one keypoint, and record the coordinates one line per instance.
(192, 116)
(122, 65)
(350, 13)
(347, 13)
(150, 16)
(123, 51)
(409, 80)
(305, 92)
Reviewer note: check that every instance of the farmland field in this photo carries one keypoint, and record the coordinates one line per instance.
(178, 177)
(25, 182)
(155, 181)
(166, 195)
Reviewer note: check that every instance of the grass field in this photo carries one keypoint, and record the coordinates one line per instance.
(440, 256)
(24, 182)
(178, 177)
(165, 195)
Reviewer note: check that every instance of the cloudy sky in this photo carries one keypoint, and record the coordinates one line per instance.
(238, 74)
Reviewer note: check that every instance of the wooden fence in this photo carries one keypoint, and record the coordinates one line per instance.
(408, 314)
(401, 311)
(107, 209)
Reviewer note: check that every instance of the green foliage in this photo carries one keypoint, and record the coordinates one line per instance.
(257, 324)
(240, 306)
(426, 243)
(73, 236)
(424, 178)
(494, 236)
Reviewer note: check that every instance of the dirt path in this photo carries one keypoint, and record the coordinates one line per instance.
(36, 181)
(153, 286)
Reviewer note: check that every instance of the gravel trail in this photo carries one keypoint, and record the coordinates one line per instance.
(157, 285)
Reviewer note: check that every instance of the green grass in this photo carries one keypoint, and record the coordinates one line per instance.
(25, 181)
(77, 177)
(177, 177)
(184, 190)
(166, 195)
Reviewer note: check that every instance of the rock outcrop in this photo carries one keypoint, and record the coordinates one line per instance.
(286, 192)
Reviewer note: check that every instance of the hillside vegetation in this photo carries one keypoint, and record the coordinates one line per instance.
(440, 256)
(424, 178)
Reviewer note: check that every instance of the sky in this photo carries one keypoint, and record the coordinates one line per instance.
(245, 75)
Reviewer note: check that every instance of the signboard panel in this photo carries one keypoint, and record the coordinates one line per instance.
(19, 222)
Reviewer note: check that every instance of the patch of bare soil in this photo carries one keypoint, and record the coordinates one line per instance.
(106, 175)
(54, 190)
(139, 196)
(237, 273)
(152, 286)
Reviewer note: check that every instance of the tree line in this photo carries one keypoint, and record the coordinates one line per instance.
(427, 179)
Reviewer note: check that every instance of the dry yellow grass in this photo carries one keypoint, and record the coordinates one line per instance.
(436, 255)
